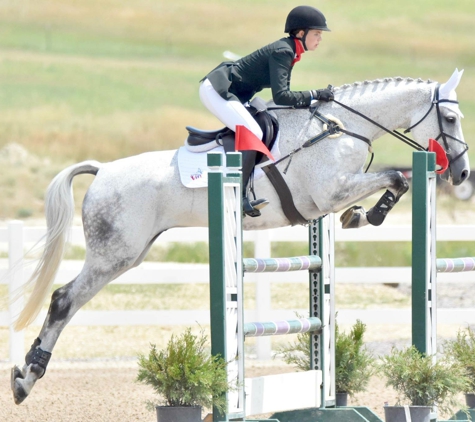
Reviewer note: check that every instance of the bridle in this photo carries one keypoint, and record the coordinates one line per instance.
(402, 137)
(334, 128)
(436, 101)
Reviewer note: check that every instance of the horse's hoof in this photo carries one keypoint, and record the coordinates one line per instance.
(15, 373)
(19, 393)
(351, 218)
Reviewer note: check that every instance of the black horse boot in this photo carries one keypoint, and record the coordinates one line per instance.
(250, 208)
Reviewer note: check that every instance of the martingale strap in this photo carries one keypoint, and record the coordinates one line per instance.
(287, 203)
(277, 180)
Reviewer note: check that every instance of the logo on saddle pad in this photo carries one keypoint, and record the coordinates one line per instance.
(193, 167)
(196, 175)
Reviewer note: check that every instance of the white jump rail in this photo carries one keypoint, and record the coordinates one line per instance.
(16, 238)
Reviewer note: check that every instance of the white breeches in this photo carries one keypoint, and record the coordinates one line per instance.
(230, 113)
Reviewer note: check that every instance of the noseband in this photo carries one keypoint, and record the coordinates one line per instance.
(436, 101)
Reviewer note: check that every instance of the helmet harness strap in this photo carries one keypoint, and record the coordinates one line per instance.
(304, 39)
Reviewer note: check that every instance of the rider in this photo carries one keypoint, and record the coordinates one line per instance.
(226, 88)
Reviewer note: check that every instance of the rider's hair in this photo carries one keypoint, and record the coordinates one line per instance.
(294, 32)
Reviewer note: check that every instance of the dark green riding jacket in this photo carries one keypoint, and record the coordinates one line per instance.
(269, 67)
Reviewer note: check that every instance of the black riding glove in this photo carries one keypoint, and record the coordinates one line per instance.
(322, 94)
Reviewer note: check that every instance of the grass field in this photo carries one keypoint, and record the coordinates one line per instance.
(106, 79)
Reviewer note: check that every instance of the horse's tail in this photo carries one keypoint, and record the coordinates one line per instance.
(59, 210)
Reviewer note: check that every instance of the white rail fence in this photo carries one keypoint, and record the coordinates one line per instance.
(16, 238)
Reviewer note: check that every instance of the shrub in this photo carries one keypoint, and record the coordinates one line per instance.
(462, 350)
(421, 382)
(354, 365)
(185, 374)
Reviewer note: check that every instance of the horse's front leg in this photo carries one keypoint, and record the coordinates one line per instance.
(396, 185)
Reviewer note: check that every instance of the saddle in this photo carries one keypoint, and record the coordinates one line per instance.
(205, 140)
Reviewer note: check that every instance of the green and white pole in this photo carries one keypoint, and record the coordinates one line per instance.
(322, 305)
(226, 267)
(424, 267)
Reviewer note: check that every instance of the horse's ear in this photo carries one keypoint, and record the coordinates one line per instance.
(451, 84)
(447, 91)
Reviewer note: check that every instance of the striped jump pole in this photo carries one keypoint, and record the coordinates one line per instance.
(279, 328)
(267, 265)
(227, 268)
(455, 265)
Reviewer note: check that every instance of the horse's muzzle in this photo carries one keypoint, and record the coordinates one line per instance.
(455, 177)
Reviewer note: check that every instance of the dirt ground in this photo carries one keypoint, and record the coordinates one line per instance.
(106, 391)
(101, 390)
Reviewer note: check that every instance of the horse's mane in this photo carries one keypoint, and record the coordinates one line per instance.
(384, 80)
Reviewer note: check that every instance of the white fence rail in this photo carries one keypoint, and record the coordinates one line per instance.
(16, 239)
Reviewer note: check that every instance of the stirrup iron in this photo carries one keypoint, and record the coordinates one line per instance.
(252, 208)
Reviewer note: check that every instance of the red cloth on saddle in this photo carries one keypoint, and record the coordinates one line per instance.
(246, 140)
(299, 50)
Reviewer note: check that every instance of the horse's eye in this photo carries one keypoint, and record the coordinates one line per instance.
(450, 119)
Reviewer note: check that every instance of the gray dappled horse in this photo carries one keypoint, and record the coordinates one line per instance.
(133, 200)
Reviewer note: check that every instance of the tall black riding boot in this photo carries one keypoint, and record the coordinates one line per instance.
(251, 208)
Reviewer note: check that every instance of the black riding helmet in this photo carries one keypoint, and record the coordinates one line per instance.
(305, 17)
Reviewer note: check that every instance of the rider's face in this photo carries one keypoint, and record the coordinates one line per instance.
(313, 38)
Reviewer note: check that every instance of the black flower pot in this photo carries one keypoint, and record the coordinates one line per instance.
(341, 399)
(470, 400)
(398, 413)
(178, 413)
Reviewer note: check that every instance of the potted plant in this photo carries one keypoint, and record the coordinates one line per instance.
(462, 350)
(421, 383)
(353, 363)
(186, 377)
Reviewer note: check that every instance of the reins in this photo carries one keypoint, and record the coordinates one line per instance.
(394, 133)
(435, 101)
(333, 128)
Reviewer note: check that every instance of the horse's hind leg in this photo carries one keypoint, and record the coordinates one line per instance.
(65, 302)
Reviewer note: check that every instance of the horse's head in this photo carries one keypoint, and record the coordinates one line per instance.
(442, 122)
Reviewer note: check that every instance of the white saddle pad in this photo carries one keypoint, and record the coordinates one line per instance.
(193, 166)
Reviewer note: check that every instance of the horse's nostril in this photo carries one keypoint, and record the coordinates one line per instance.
(464, 175)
